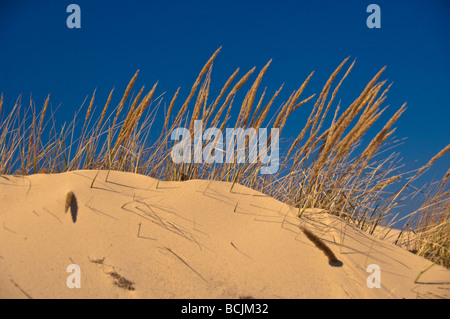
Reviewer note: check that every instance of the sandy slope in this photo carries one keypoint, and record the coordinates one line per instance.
(135, 238)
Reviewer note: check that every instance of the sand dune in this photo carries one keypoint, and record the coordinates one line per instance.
(135, 237)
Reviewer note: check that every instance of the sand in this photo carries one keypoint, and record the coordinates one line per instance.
(131, 236)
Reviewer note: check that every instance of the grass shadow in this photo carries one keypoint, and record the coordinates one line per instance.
(74, 208)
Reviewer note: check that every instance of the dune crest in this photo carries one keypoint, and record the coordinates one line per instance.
(135, 237)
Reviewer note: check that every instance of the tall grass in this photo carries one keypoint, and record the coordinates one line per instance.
(427, 230)
(335, 162)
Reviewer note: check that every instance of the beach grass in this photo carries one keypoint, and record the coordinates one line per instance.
(336, 162)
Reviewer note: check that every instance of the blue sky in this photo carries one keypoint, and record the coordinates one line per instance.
(169, 42)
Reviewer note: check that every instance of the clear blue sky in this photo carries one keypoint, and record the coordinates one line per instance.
(169, 41)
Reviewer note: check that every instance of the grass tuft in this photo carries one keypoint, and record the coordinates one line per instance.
(338, 161)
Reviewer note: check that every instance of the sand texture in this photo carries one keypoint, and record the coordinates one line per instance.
(135, 237)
